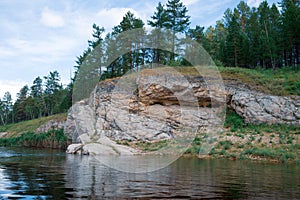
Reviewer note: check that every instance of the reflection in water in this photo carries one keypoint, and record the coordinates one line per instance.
(31, 173)
(54, 175)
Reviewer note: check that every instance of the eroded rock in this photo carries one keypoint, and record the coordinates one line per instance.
(163, 107)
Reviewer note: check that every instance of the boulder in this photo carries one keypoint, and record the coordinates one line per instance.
(3, 134)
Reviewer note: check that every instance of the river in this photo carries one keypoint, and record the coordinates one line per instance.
(51, 174)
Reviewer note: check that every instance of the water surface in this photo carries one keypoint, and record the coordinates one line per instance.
(49, 174)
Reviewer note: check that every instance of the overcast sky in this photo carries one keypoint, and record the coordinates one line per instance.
(39, 36)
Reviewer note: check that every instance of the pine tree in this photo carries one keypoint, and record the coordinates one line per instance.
(38, 97)
(52, 92)
(19, 107)
(233, 39)
(291, 31)
(177, 21)
(196, 34)
(158, 37)
(96, 55)
(243, 13)
(125, 42)
(5, 108)
(253, 32)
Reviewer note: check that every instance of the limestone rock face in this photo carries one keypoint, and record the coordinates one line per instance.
(163, 106)
(259, 108)
(155, 108)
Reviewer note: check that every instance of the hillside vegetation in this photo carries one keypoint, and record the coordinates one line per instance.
(280, 82)
(30, 125)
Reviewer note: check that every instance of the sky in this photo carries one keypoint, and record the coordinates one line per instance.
(39, 36)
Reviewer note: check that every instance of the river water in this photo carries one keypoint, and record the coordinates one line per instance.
(49, 174)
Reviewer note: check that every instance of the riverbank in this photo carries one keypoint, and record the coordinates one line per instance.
(53, 139)
(239, 141)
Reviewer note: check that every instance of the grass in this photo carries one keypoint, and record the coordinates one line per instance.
(51, 139)
(271, 153)
(259, 141)
(29, 126)
(285, 81)
(151, 146)
(256, 142)
(235, 123)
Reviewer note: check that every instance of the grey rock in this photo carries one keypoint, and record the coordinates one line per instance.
(257, 108)
(74, 148)
(3, 134)
(162, 105)
(50, 125)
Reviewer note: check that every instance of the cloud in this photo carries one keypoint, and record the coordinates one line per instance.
(254, 3)
(5, 52)
(52, 19)
(12, 86)
(206, 13)
(113, 16)
(189, 2)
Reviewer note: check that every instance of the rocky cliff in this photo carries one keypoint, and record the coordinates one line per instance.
(164, 106)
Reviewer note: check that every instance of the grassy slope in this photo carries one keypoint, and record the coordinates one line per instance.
(280, 82)
(258, 142)
(29, 126)
(22, 134)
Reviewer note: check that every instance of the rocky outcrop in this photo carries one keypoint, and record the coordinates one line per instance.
(165, 106)
(257, 108)
(50, 125)
(103, 146)
(146, 108)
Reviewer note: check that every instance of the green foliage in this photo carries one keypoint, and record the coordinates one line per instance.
(225, 144)
(271, 153)
(234, 121)
(50, 139)
(256, 37)
(6, 107)
(152, 146)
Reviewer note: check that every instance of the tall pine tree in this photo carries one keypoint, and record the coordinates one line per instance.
(177, 21)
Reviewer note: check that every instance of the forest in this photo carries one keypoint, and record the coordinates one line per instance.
(267, 37)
